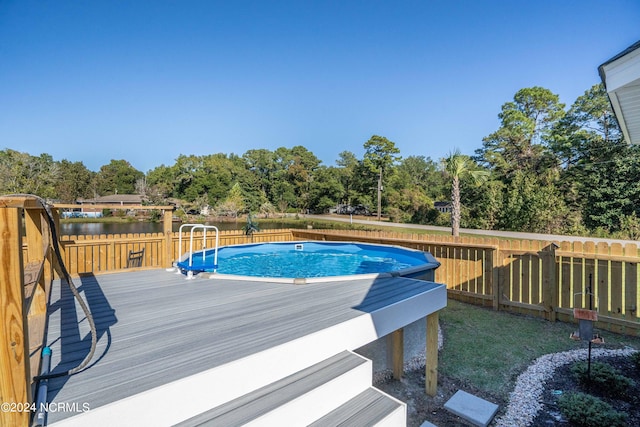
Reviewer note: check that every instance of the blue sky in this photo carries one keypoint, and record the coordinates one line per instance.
(147, 81)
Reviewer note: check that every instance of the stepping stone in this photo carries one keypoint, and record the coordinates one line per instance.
(473, 409)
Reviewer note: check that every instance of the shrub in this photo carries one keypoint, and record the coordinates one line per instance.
(589, 411)
(635, 357)
(604, 377)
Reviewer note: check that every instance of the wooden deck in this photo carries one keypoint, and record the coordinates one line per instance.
(171, 348)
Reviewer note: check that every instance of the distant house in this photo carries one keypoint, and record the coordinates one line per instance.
(443, 207)
(621, 78)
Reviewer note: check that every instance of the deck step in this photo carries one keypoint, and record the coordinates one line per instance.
(304, 396)
(369, 408)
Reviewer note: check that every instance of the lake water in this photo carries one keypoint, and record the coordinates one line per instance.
(92, 228)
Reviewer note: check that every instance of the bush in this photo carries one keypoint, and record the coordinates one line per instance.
(604, 377)
(635, 357)
(589, 411)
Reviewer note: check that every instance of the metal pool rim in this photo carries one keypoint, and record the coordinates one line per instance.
(411, 272)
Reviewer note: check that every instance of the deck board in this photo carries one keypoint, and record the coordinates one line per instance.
(155, 327)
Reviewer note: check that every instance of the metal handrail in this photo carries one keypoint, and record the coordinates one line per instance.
(204, 243)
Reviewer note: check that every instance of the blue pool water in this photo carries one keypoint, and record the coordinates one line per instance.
(306, 259)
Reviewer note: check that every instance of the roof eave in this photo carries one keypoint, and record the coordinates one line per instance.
(612, 90)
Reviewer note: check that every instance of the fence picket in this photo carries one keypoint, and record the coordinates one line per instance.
(615, 288)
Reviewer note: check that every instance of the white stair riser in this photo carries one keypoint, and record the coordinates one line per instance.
(395, 419)
(318, 402)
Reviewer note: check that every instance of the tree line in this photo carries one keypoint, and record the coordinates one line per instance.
(547, 168)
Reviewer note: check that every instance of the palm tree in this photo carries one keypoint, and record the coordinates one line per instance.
(458, 166)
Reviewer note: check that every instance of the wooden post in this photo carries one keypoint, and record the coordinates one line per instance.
(397, 353)
(497, 263)
(431, 367)
(36, 288)
(549, 281)
(168, 237)
(14, 352)
(33, 231)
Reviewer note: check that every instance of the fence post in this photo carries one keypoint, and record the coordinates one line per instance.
(168, 237)
(14, 341)
(549, 281)
(496, 264)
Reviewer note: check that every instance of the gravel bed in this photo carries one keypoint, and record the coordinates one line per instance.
(525, 401)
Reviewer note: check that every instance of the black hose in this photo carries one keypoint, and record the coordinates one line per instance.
(74, 291)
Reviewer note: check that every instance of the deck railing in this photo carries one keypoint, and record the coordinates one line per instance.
(26, 271)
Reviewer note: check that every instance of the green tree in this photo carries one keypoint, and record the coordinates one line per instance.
(301, 173)
(380, 155)
(161, 184)
(362, 179)
(118, 177)
(482, 207)
(409, 204)
(526, 125)
(610, 183)
(410, 189)
(233, 204)
(424, 173)
(459, 166)
(533, 204)
(347, 164)
(590, 119)
(521, 156)
(24, 173)
(73, 181)
(291, 180)
(598, 179)
(211, 175)
(261, 164)
(325, 190)
(267, 209)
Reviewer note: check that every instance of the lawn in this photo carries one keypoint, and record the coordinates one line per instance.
(489, 349)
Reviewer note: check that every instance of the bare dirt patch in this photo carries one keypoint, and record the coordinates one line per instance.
(421, 407)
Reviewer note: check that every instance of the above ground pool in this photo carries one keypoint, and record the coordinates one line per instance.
(310, 260)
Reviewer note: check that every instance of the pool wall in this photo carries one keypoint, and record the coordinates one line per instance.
(424, 271)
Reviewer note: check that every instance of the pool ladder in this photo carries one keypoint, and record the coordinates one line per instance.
(204, 245)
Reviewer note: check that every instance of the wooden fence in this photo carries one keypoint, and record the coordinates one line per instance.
(541, 278)
(106, 253)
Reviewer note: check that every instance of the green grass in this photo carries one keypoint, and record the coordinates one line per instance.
(489, 349)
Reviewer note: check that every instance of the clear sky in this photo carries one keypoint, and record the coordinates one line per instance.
(147, 81)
